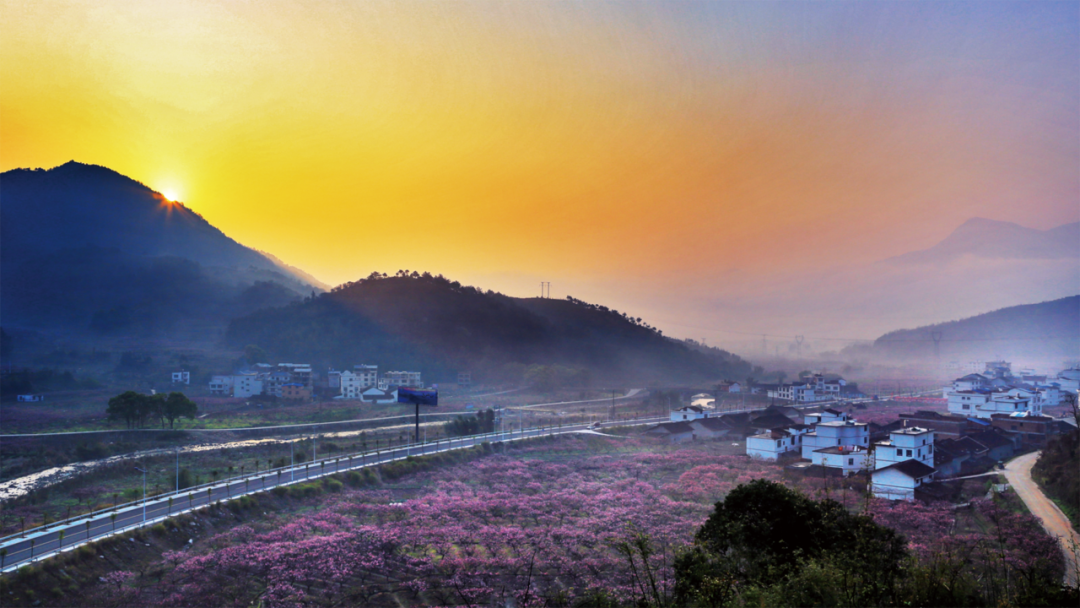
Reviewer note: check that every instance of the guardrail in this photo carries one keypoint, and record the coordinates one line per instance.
(75, 524)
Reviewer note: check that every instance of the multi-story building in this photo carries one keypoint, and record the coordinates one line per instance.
(221, 385)
(847, 434)
(246, 385)
(354, 384)
(181, 377)
(295, 391)
(407, 379)
(298, 372)
(1033, 430)
(368, 374)
(815, 388)
(911, 443)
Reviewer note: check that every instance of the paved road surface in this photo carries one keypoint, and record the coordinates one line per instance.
(1018, 472)
(39, 543)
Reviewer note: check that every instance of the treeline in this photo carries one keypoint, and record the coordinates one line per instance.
(137, 409)
(481, 422)
(419, 321)
(36, 381)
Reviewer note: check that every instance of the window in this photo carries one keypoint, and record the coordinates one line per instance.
(850, 461)
(899, 452)
(967, 407)
(909, 452)
(930, 450)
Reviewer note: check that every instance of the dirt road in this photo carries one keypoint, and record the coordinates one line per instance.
(1018, 472)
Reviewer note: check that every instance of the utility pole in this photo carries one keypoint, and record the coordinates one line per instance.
(143, 471)
(178, 470)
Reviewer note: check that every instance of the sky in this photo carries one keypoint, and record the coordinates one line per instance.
(618, 150)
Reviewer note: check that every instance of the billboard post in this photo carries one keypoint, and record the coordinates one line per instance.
(418, 397)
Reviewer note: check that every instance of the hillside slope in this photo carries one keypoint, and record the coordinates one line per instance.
(83, 247)
(439, 326)
(1047, 329)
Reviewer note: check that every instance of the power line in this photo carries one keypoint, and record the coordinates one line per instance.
(871, 340)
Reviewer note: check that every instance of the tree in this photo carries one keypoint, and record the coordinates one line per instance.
(125, 406)
(177, 406)
(763, 533)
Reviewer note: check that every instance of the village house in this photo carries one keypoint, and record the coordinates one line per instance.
(374, 394)
(688, 412)
(673, 432)
(406, 379)
(775, 443)
(847, 460)
(912, 443)
(1032, 430)
(181, 377)
(945, 426)
(713, 428)
(842, 433)
(295, 391)
(899, 480)
(353, 384)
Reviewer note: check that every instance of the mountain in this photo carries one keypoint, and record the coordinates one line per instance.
(83, 247)
(992, 239)
(441, 327)
(1043, 331)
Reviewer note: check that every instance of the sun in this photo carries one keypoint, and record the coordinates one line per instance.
(171, 195)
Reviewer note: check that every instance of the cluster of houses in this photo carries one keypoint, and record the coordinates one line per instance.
(294, 381)
(813, 388)
(998, 391)
(901, 456)
(297, 381)
(364, 383)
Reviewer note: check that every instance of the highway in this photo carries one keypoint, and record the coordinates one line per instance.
(40, 543)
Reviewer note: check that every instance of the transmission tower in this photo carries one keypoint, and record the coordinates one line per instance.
(936, 337)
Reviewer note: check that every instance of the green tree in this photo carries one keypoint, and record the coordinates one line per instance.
(177, 406)
(765, 535)
(126, 407)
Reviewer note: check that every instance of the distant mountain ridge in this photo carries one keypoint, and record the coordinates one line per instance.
(82, 246)
(1034, 331)
(993, 239)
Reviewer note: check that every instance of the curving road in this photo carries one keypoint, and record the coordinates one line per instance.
(1018, 472)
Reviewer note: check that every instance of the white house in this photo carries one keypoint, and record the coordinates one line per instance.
(221, 385)
(911, 443)
(409, 379)
(688, 412)
(354, 384)
(374, 394)
(769, 446)
(848, 459)
(246, 385)
(846, 434)
(968, 402)
(1069, 380)
(828, 415)
(181, 377)
(899, 480)
(814, 388)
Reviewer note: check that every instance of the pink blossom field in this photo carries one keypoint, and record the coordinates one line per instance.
(538, 527)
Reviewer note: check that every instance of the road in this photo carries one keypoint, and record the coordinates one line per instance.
(40, 543)
(1018, 472)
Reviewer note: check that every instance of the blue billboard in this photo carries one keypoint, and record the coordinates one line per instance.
(418, 396)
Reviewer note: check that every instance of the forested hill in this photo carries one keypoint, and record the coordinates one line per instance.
(440, 327)
(1043, 330)
(83, 247)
